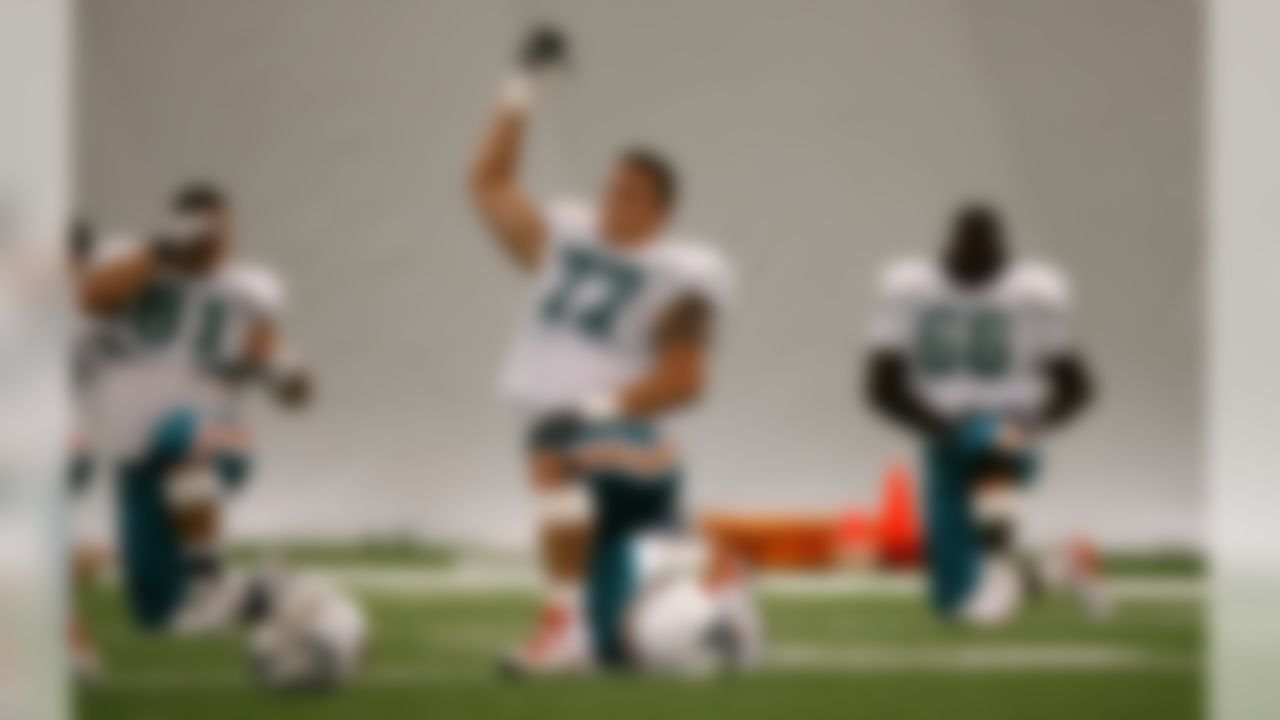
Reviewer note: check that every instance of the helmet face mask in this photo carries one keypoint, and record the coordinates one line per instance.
(977, 251)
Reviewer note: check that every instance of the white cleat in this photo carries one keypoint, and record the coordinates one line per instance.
(998, 596)
(1083, 578)
(86, 665)
(211, 606)
(559, 646)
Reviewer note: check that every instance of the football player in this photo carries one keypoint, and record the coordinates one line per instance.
(196, 325)
(616, 336)
(973, 351)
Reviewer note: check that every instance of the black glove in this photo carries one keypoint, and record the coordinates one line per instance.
(294, 389)
(544, 48)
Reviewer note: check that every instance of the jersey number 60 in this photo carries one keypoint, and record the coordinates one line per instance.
(950, 341)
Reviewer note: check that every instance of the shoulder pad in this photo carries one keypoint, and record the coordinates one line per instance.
(569, 216)
(257, 285)
(907, 276)
(701, 269)
(1043, 283)
(113, 247)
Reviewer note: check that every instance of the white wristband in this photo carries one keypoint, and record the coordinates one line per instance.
(564, 505)
(192, 487)
(601, 408)
(997, 504)
(518, 92)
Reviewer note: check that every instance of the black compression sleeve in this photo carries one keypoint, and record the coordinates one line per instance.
(887, 387)
(1071, 390)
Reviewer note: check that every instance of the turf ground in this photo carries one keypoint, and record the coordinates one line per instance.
(840, 650)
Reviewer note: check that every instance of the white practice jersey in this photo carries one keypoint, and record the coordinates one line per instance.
(590, 323)
(178, 338)
(96, 341)
(978, 350)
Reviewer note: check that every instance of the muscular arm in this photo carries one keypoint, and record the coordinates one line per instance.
(678, 376)
(107, 289)
(262, 342)
(291, 385)
(887, 387)
(496, 191)
(1071, 390)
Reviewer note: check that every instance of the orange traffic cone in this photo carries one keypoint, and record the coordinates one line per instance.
(901, 538)
(856, 538)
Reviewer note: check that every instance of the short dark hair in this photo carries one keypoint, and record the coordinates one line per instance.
(979, 218)
(976, 250)
(659, 169)
(199, 197)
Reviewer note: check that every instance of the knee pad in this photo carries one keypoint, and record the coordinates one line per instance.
(192, 487)
(568, 504)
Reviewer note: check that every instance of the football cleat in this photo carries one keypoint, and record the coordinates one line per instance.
(1083, 578)
(86, 665)
(212, 605)
(997, 597)
(557, 646)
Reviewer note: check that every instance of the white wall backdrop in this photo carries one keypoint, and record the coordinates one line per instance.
(818, 139)
(36, 84)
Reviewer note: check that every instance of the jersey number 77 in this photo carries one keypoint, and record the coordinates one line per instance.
(619, 283)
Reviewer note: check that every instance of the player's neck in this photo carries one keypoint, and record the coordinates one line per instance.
(203, 270)
(976, 278)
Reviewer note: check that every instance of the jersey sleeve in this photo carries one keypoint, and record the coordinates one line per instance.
(1051, 299)
(259, 289)
(569, 220)
(892, 308)
(704, 273)
(113, 248)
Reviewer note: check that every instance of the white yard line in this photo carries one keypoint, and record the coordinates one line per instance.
(1011, 658)
(789, 658)
(471, 580)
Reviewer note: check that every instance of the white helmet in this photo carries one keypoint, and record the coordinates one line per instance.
(310, 635)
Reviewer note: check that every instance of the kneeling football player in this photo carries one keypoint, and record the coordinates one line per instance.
(195, 324)
(615, 336)
(973, 352)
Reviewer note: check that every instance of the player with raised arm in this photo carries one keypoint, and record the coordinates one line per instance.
(616, 335)
(973, 352)
(191, 327)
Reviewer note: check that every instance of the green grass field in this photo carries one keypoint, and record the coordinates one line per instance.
(835, 655)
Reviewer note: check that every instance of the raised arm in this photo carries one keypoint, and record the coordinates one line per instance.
(495, 182)
(112, 284)
(107, 278)
(495, 172)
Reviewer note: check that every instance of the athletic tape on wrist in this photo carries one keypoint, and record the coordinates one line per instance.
(565, 505)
